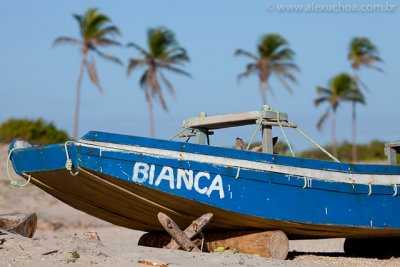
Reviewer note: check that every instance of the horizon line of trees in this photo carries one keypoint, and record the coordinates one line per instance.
(273, 58)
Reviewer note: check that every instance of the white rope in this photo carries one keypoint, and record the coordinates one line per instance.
(68, 163)
(251, 140)
(395, 190)
(12, 181)
(283, 132)
(369, 189)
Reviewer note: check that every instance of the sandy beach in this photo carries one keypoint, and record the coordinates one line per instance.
(67, 236)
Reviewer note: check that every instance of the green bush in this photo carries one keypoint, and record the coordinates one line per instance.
(34, 131)
(373, 151)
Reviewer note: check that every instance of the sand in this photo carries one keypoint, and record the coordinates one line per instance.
(66, 236)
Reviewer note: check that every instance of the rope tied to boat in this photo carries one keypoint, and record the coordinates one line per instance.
(278, 119)
(256, 129)
(297, 129)
(68, 163)
(13, 182)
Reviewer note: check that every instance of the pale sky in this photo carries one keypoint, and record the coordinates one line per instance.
(38, 80)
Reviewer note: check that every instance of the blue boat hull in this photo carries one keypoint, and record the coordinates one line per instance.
(128, 180)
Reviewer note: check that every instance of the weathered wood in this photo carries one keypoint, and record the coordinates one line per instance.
(19, 223)
(391, 151)
(267, 145)
(193, 229)
(273, 244)
(232, 120)
(177, 234)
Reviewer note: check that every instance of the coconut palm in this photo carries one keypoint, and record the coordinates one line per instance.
(273, 57)
(163, 53)
(362, 53)
(96, 31)
(341, 88)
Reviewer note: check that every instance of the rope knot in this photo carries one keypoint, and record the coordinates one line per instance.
(68, 165)
(15, 184)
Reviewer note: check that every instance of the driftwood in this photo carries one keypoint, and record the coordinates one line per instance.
(273, 244)
(19, 223)
(177, 234)
(193, 229)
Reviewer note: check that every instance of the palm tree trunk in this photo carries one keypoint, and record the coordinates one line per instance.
(263, 92)
(78, 97)
(354, 125)
(354, 132)
(151, 117)
(334, 148)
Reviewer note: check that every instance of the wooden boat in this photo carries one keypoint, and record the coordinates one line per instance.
(127, 180)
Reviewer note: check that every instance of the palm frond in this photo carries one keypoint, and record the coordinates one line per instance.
(91, 68)
(322, 90)
(168, 84)
(67, 40)
(105, 42)
(173, 69)
(106, 56)
(241, 52)
(139, 48)
(135, 63)
(323, 118)
(250, 69)
(320, 100)
(284, 83)
(109, 30)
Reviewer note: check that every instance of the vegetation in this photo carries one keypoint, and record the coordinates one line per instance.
(163, 53)
(95, 29)
(274, 57)
(362, 53)
(35, 131)
(341, 88)
(371, 152)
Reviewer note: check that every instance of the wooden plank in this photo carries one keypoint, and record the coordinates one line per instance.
(19, 223)
(177, 234)
(232, 120)
(193, 229)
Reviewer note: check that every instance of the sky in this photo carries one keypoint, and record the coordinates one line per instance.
(39, 80)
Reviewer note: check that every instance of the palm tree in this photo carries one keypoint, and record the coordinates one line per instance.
(341, 88)
(273, 57)
(95, 32)
(163, 53)
(362, 53)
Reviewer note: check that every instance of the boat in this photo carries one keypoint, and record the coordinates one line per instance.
(128, 180)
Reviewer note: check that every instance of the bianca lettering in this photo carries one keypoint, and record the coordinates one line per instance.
(201, 182)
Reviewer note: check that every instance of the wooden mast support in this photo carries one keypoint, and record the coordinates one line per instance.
(266, 117)
(19, 223)
(267, 146)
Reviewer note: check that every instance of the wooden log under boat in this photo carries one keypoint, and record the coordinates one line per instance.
(271, 244)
